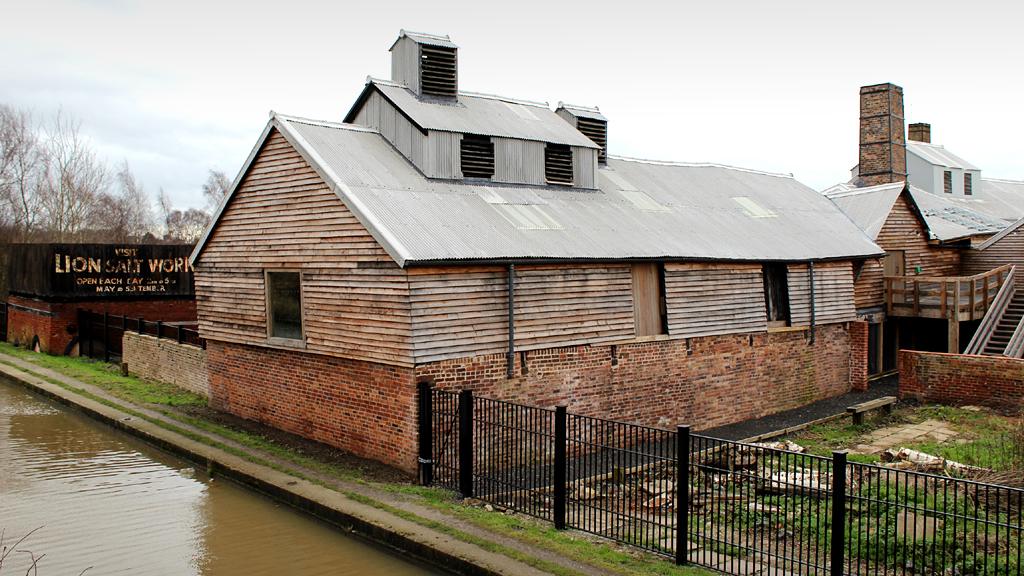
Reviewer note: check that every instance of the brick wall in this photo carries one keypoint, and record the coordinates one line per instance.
(167, 361)
(56, 323)
(859, 355)
(705, 382)
(994, 381)
(366, 408)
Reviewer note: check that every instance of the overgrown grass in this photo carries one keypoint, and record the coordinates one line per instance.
(164, 398)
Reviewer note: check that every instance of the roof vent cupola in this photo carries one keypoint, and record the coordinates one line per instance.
(427, 64)
(591, 123)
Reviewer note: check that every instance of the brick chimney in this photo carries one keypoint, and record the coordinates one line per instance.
(883, 145)
(920, 132)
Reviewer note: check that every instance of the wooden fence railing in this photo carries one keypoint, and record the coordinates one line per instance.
(956, 297)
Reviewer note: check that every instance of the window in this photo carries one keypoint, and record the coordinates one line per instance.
(558, 164)
(284, 305)
(776, 294)
(968, 185)
(649, 309)
(477, 156)
(947, 182)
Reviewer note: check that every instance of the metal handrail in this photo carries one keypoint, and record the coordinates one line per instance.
(998, 307)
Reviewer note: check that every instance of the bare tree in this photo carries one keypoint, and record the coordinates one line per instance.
(215, 189)
(72, 179)
(125, 215)
(187, 226)
(20, 162)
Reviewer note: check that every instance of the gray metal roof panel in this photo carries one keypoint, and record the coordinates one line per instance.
(697, 215)
(486, 115)
(945, 218)
(428, 39)
(936, 154)
(582, 111)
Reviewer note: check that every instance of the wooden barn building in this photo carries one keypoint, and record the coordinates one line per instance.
(931, 290)
(489, 243)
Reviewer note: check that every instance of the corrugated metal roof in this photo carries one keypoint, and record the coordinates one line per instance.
(482, 114)
(582, 111)
(945, 219)
(695, 217)
(936, 154)
(1002, 199)
(1005, 232)
(424, 38)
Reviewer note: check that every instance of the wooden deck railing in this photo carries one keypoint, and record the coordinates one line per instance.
(956, 297)
(988, 324)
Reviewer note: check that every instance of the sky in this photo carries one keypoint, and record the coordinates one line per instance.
(179, 88)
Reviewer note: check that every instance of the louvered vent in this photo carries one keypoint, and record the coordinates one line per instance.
(596, 130)
(438, 71)
(558, 164)
(477, 156)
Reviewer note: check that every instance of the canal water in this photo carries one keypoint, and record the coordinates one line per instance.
(104, 500)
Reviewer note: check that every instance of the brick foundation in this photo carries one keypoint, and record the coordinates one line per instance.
(365, 408)
(705, 382)
(859, 355)
(167, 361)
(994, 381)
(56, 323)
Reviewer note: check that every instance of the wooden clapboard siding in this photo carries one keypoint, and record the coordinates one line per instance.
(710, 299)
(459, 312)
(903, 231)
(563, 305)
(833, 293)
(1007, 250)
(283, 216)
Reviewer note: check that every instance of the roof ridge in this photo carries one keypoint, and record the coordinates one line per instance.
(1007, 180)
(579, 107)
(699, 165)
(537, 103)
(323, 123)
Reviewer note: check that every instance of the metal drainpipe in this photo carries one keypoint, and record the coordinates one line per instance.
(510, 357)
(810, 271)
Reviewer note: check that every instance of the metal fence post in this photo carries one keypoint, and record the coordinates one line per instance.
(466, 443)
(106, 337)
(561, 465)
(159, 329)
(682, 494)
(142, 325)
(426, 434)
(180, 335)
(837, 550)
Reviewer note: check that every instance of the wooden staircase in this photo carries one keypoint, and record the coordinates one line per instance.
(1001, 332)
(1006, 326)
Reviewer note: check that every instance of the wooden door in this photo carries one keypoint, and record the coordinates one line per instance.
(895, 263)
(647, 300)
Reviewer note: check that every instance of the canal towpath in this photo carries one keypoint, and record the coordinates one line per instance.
(382, 516)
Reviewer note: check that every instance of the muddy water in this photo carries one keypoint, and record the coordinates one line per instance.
(105, 500)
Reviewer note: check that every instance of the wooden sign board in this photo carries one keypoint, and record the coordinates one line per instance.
(101, 271)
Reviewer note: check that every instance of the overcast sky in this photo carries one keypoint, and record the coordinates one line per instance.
(180, 87)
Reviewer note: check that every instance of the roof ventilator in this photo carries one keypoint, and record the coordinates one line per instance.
(438, 71)
(558, 164)
(596, 130)
(477, 156)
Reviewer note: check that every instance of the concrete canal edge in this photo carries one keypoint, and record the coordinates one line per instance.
(402, 536)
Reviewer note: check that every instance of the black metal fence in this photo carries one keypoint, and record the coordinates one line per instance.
(742, 505)
(3, 321)
(101, 335)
